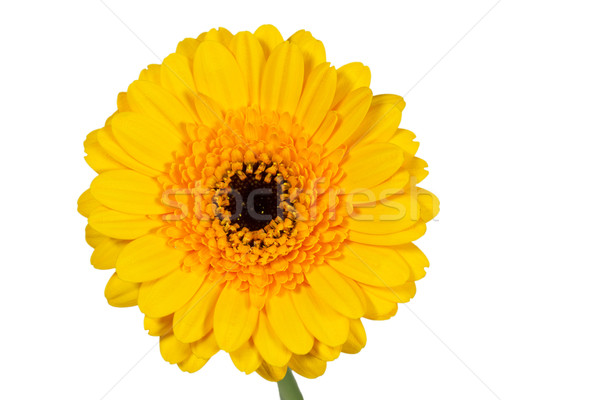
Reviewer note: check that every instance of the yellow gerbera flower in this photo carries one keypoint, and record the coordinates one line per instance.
(256, 200)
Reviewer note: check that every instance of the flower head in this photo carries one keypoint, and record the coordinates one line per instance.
(256, 200)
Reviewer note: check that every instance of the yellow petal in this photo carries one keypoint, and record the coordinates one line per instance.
(192, 364)
(269, 38)
(357, 338)
(351, 77)
(382, 119)
(429, 204)
(325, 129)
(128, 191)
(97, 158)
(92, 236)
(250, 56)
(397, 294)
(120, 293)
(373, 265)
(122, 103)
(271, 373)
(220, 35)
(187, 48)
(201, 37)
(151, 74)
(270, 347)
(160, 105)
(370, 165)
(351, 111)
(195, 319)
(120, 225)
(169, 293)
(377, 307)
(246, 358)
(415, 258)
(206, 347)
(172, 350)
(210, 113)
(219, 76)
(391, 239)
(312, 49)
(316, 98)
(287, 324)
(235, 318)
(327, 325)
(113, 148)
(282, 79)
(308, 365)
(106, 253)
(87, 203)
(391, 214)
(395, 184)
(416, 167)
(176, 76)
(325, 352)
(405, 139)
(158, 326)
(148, 258)
(339, 292)
(150, 142)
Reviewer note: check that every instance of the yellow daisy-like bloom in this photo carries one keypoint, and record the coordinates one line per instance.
(256, 200)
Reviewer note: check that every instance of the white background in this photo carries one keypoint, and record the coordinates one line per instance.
(507, 117)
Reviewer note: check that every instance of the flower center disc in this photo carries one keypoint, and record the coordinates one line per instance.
(264, 202)
(254, 200)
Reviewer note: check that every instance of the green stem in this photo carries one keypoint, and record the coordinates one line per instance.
(288, 388)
